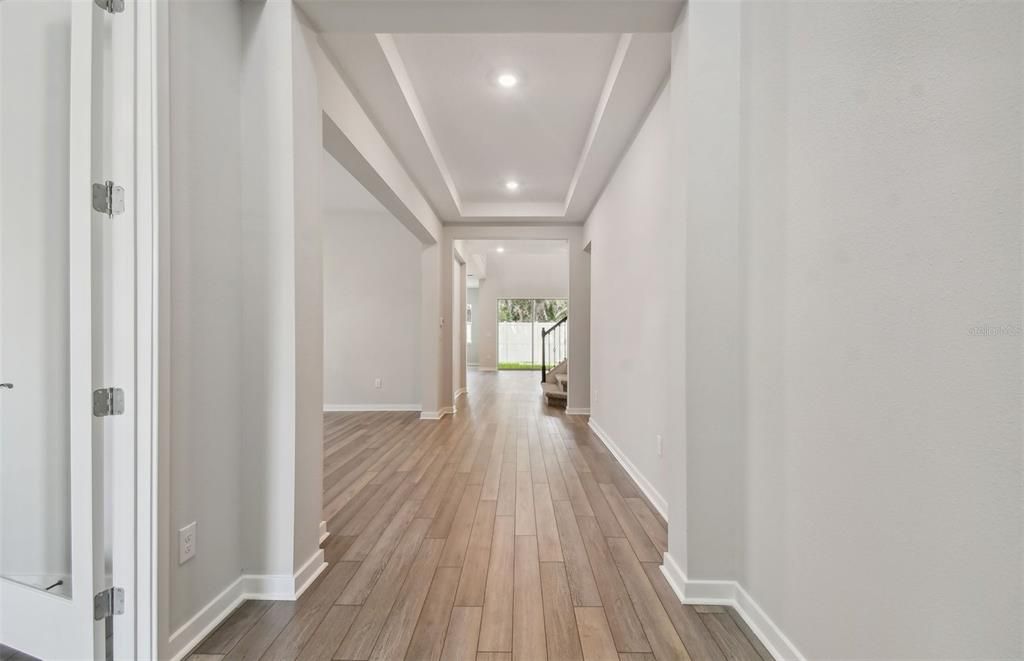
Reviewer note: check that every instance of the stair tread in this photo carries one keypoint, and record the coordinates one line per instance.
(551, 390)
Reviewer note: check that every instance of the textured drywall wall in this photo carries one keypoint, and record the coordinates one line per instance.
(629, 337)
(854, 310)
(371, 298)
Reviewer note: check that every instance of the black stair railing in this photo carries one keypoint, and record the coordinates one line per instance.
(554, 346)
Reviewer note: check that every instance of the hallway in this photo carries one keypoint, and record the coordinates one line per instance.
(506, 531)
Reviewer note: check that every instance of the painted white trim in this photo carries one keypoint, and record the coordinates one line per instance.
(256, 587)
(324, 533)
(487, 369)
(306, 574)
(437, 415)
(732, 594)
(645, 485)
(577, 411)
(459, 393)
(338, 408)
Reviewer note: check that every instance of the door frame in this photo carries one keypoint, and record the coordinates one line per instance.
(139, 639)
(136, 117)
(497, 323)
(131, 163)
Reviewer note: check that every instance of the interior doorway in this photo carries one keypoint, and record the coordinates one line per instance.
(522, 325)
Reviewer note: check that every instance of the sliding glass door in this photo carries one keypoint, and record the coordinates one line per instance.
(520, 322)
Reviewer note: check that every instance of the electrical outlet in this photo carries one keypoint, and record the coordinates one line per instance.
(378, 383)
(187, 543)
(658, 439)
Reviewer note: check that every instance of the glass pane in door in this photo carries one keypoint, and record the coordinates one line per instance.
(35, 76)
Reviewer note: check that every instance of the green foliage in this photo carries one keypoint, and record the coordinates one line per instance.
(524, 309)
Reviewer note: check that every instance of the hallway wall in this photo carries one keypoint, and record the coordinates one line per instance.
(203, 314)
(371, 299)
(853, 452)
(629, 337)
(240, 308)
(472, 349)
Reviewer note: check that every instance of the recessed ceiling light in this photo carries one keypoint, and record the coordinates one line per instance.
(511, 184)
(500, 249)
(508, 80)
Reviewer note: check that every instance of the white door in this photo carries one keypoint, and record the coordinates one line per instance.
(55, 328)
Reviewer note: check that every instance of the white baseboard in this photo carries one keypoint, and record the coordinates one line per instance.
(732, 594)
(487, 369)
(437, 415)
(577, 411)
(324, 533)
(345, 408)
(308, 573)
(645, 485)
(257, 587)
(459, 393)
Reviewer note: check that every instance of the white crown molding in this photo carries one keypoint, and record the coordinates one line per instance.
(732, 594)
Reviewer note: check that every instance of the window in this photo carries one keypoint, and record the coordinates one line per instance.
(520, 322)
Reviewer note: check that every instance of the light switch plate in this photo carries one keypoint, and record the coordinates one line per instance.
(187, 543)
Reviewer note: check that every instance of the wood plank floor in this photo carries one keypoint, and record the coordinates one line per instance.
(507, 532)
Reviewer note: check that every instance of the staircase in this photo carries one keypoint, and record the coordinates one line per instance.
(556, 384)
(554, 350)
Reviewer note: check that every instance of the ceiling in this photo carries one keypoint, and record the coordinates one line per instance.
(477, 252)
(515, 247)
(559, 133)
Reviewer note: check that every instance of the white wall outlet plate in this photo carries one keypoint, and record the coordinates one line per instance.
(187, 543)
(658, 439)
(378, 383)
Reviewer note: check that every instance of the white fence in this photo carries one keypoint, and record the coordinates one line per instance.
(520, 341)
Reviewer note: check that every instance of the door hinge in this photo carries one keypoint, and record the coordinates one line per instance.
(108, 198)
(111, 6)
(107, 603)
(107, 401)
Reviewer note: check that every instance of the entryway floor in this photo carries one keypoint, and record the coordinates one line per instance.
(507, 531)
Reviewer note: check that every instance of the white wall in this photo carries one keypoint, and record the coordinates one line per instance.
(515, 275)
(458, 317)
(371, 289)
(629, 337)
(204, 365)
(307, 129)
(472, 354)
(241, 307)
(282, 315)
(853, 447)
